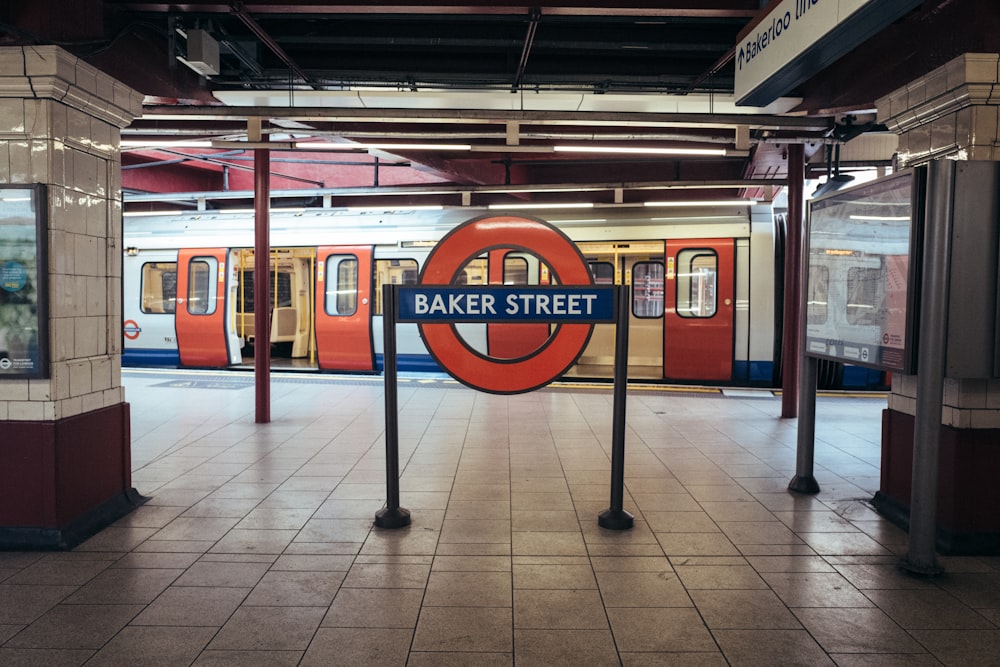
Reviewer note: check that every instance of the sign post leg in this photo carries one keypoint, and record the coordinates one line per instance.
(392, 515)
(804, 480)
(615, 517)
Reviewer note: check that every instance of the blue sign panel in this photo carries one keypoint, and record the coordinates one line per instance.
(506, 304)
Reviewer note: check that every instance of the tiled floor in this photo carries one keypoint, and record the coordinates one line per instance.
(257, 547)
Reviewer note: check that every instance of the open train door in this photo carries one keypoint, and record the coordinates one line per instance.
(698, 325)
(343, 308)
(204, 336)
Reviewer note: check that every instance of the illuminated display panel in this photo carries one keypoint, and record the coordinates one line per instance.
(860, 281)
(23, 291)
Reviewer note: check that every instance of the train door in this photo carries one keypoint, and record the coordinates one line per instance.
(203, 337)
(513, 341)
(639, 264)
(343, 313)
(700, 310)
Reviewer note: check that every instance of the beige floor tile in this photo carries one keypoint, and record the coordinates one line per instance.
(737, 511)
(214, 658)
(653, 659)
(32, 657)
(553, 576)
(771, 647)
(58, 572)
(195, 528)
(313, 563)
(847, 630)
(475, 530)
(559, 609)
(295, 589)
(486, 629)
(192, 606)
(386, 575)
(539, 543)
(719, 577)
(468, 589)
(642, 589)
(20, 605)
(358, 646)
(815, 589)
(269, 629)
(791, 564)
(124, 586)
(75, 626)
(542, 648)
(160, 645)
(885, 660)
(459, 659)
(660, 630)
(239, 575)
(374, 608)
(238, 541)
(962, 647)
(927, 610)
(736, 609)
(696, 544)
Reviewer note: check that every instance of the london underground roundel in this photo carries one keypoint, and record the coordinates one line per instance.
(490, 374)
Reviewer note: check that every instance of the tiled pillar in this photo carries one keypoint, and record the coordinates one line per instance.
(65, 438)
(951, 113)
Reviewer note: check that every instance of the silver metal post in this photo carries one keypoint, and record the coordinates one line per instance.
(920, 556)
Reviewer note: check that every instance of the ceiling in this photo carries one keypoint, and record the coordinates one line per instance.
(474, 102)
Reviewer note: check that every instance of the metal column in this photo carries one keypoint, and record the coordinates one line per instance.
(790, 348)
(920, 556)
(262, 283)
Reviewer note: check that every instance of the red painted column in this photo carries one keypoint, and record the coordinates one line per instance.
(262, 284)
(792, 321)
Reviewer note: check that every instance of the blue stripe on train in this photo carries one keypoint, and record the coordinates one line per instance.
(412, 363)
(147, 357)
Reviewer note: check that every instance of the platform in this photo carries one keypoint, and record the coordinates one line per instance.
(256, 546)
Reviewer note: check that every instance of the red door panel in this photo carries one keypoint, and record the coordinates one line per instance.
(343, 308)
(698, 324)
(511, 341)
(201, 307)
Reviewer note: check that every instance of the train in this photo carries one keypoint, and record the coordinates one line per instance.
(706, 291)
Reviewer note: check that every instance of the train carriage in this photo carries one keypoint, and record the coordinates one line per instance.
(704, 292)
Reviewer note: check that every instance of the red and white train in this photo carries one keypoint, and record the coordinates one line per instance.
(706, 290)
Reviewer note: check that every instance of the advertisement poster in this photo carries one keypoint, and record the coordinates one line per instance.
(860, 274)
(22, 283)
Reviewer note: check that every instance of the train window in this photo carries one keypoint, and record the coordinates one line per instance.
(515, 270)
(819, 286)
(647, 289)
(201, 296)
(697, 274)
(604, 273)
(473, 273)
(341, 285)
(863, 304)
(393, 272)
(159, 287)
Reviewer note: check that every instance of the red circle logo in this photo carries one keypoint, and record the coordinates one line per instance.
(131, 329)
(556, 355)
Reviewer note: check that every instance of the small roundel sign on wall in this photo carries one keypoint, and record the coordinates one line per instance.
(438, 304)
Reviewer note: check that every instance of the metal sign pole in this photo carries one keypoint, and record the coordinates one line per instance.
(616, 518)
(804, 480)
(392, 515)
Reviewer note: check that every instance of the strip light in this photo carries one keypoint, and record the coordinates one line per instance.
(494, 207)
(327, 145)
(720, 202)
(639, 150)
